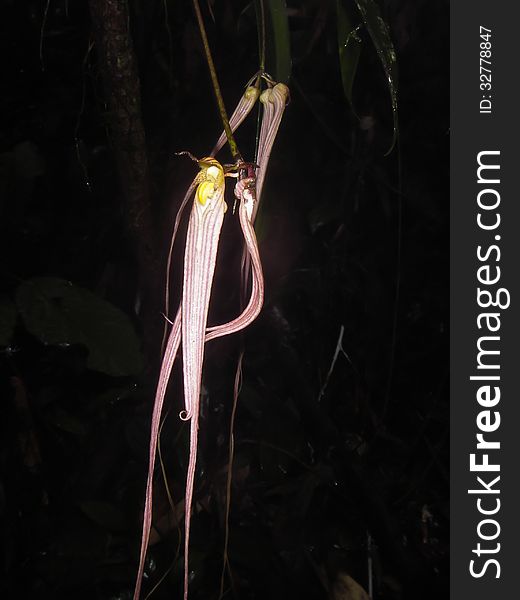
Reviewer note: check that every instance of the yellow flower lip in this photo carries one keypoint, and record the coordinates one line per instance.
(205, 190)
(211, 179)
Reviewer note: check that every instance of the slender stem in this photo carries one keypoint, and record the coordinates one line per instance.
(231, 456)
(260, 22)
(260, 27)
(216, 87)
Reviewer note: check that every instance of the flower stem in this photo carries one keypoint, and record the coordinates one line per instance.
(216, 87)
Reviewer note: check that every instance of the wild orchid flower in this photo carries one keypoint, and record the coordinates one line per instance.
(202, 241)
(190, 323)
(199, 263)
(244, 107)
(274, 101)
(204, 227)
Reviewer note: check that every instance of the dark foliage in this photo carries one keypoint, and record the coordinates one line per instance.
(339, 463)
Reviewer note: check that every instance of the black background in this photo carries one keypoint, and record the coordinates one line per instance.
(341, 246)
(472, 133)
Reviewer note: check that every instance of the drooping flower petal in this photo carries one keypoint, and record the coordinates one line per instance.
(245, 190)
(244, 106)
(190, 323)
(204, 228)
(274, 101)
(170, 354)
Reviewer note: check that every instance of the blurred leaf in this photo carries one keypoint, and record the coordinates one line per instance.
(7, 319)
(104, 514)
(281, 39)
(349, 46)
(346, 588)
(57, 312)
(378, 30)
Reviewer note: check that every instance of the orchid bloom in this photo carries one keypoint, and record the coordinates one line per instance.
(274, 101)
(244, 106)
(190, 323)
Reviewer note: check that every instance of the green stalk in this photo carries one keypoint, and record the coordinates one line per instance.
(216, 87)
(260, 25)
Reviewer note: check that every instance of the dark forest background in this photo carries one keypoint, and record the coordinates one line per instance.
(341, 463)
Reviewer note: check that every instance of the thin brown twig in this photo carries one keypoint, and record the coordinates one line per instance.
(216, 87)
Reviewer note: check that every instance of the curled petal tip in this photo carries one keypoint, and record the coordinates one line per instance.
(185, 415)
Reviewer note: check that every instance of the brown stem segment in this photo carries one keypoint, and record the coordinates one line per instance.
(216, 87)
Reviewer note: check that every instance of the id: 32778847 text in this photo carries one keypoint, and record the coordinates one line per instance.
(485, 71)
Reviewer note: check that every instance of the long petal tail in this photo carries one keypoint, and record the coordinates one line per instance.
(188, 500)
(169, 358)
(256, 299)
(203, 236)
(178, 217)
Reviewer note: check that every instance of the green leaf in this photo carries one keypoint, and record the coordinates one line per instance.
(57, 312)
(349, 46)
(7, 319)
(346, 588)
(380, 35)
(281, 40)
